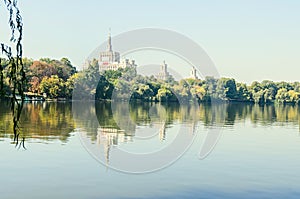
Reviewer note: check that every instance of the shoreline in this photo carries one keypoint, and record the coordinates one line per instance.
(136, 101)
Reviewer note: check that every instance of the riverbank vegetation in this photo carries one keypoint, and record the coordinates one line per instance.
(54, 78)
(57, 79)
(126, 84)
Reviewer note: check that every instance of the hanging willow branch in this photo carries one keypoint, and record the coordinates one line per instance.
(15, 65)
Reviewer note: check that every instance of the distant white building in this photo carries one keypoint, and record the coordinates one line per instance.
(194, 73)
(163, 74)
(110, 60)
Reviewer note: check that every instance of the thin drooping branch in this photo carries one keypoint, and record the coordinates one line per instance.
(1, 79)
(15, 65)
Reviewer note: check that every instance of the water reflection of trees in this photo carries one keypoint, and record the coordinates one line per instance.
(263, 115)
(49, 121)
(109, 126)
(146, 114)
(45, 121)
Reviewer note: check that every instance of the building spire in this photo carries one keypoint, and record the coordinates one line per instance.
(109, 46)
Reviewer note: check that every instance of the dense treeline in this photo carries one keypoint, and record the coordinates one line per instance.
(57, 78)
(126, 84)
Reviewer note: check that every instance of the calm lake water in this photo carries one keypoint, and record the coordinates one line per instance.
(257, 155)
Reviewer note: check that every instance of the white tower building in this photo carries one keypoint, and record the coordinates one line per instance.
(110, 60)
(163, 74)
(194, 73)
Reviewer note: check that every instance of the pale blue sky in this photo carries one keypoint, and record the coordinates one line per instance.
(248, 40)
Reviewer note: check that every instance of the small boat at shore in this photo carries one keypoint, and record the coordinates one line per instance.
(31, 97)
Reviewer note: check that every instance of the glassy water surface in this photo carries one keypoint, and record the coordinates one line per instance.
(257, 156)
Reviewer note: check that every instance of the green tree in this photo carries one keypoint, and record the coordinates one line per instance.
(70, 85)
(284, 85)
(104, 88)
(243, 94)
(271, 90)
(296, 86)
(294, 96)
(262, 97)
(182, 91)
(210, 85)
(199, 93)
(282, 95)
(255, 87)
(285, 96)
(87, 81)
(53, 86)
(155, 86)
(143, 92)
(226, 89)
(164, 94)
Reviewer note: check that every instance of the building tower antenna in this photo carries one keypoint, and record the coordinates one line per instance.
(109, 45)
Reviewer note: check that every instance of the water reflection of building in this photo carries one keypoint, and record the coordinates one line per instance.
(162, 132)
(193, 127)
(109, 137)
